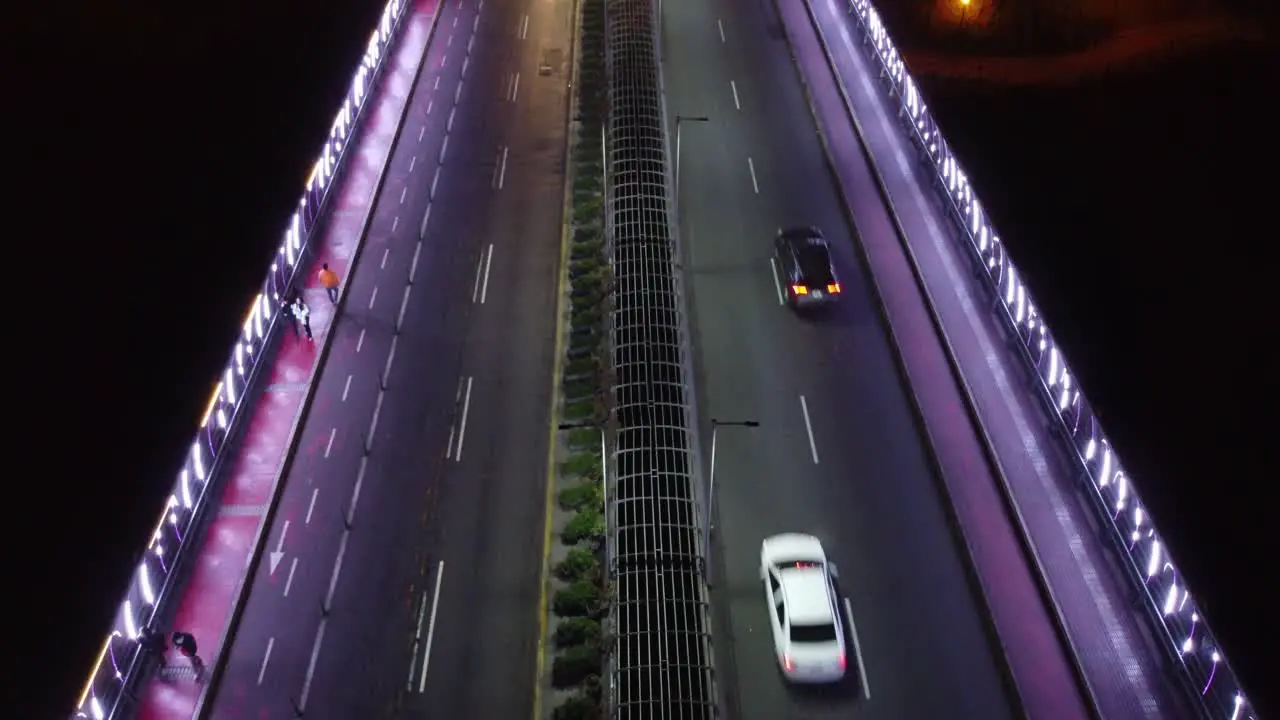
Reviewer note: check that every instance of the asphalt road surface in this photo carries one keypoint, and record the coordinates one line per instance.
(432, 589)
(837, 453)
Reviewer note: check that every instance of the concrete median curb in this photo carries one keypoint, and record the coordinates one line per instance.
(204, 705)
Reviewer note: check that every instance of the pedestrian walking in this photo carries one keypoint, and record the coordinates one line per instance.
(302, 315)
(329, 279)
(186, 644)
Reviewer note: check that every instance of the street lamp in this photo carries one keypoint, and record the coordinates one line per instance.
(711, 488)
(680, 119)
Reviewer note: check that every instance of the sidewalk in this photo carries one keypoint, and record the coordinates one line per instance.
(210, 593)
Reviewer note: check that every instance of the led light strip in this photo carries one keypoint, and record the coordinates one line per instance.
(1169, 601)
(112, 668)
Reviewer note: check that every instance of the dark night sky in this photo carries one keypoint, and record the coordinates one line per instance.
(165, 147)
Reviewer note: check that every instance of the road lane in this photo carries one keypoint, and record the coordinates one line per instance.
(756, 167)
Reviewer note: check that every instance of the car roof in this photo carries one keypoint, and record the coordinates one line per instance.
(806, 590)
(791, 547)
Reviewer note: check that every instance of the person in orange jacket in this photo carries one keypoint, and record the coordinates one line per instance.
(329, 279)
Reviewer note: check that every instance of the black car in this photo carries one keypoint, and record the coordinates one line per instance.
(804, 262)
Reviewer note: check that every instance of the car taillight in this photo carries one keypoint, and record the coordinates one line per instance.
(786, 663)
(834, 288)
(842, 661)
(800, 289)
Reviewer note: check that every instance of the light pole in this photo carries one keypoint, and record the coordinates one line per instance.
(681, 119)
(711, 489)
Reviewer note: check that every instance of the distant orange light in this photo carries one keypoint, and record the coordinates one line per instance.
(965, 3)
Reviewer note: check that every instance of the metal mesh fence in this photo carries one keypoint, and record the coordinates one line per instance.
(662, 660)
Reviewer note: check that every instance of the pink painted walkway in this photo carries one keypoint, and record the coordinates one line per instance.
(210, 593)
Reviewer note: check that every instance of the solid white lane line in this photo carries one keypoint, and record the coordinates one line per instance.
(777, 285)
(434, 179)
(720, 27)
(444, 147)
(857, 649)
(311, 507)
(417, 640)
(337, 568)
(484, 290)
(431, 629)
(395, 223)
(377, 408)
(386, 369)
(355, 491)
(374, 297)
(475, 284)
(403, 191)
(422, 231)
(413, 266)
(346, 388)
(751, 165)
(813, 448)
(502, 170)
(360, 340)
(404, 304)
(329, 446)
(524, 28)
(311, 665)
(734, 87)
(385, 253)
(462, 427)
(262, 671)
(413, 161)
(288, 583)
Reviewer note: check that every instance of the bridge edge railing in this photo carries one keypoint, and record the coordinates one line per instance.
(1180, 626)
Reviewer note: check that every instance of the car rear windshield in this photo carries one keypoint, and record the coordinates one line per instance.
(813, 633)
(815, 263)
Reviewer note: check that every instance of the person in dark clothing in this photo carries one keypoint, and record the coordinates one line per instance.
(152, 643)
(186, 644)
(286, 309)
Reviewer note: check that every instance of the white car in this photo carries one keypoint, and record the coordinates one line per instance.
(804, 611)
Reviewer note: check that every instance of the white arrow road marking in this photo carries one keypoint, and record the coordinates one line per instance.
(278, 554)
